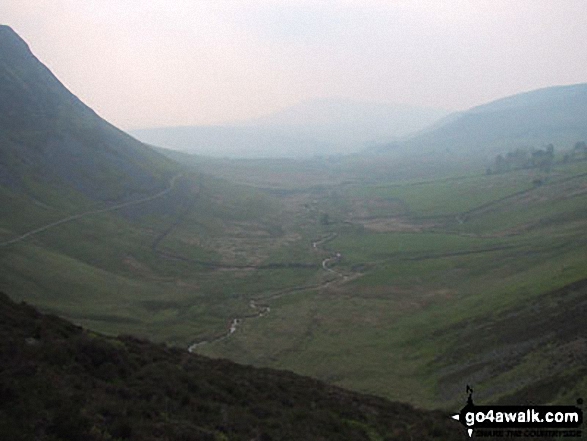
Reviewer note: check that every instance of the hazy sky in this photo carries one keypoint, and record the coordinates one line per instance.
(142, 63)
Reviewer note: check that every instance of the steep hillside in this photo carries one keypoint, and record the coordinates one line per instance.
(60, 382)
(50, 139)
(100, 228)
(551, 115)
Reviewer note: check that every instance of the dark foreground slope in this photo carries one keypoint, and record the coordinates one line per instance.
(58, 381)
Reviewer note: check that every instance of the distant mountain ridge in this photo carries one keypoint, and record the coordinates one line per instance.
(551, 115)
(383, 119)
(49, 137)
(311, 128)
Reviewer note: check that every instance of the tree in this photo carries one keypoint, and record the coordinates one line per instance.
(542, 159)
(501, 164)
(580, 149)
(519, 158)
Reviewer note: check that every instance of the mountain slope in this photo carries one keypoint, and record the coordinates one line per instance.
(552, 115)
(98, 227)
(49, 137)
(58, 381)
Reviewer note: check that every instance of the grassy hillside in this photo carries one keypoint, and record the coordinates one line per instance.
(103, 229)
(172, 268)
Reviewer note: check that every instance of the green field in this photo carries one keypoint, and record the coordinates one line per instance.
(428, 265)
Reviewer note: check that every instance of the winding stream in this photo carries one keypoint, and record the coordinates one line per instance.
(262, 309)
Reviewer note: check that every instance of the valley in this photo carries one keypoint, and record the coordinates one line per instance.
(425, 268)
(380, 286)
(405, 271)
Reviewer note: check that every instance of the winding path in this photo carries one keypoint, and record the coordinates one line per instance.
(92, 212)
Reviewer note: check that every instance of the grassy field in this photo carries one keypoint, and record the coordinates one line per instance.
(450, 258)
(440, 279)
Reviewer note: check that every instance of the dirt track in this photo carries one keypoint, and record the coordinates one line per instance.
(92, 212)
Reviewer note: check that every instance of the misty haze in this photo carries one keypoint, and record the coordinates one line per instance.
(319, 127)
